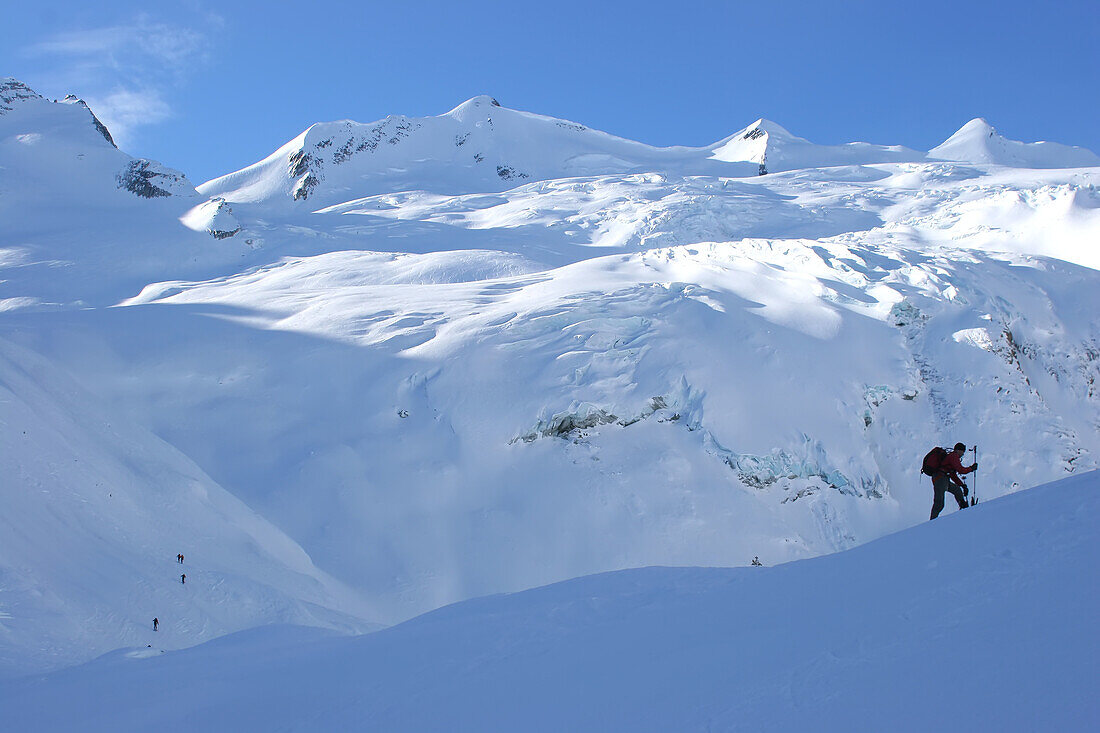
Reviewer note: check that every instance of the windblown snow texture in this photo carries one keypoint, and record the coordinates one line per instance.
(402, 364)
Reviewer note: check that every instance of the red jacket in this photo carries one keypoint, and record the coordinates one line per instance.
(952, 466)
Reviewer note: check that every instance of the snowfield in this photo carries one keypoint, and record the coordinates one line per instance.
(977, 621)
(399, 365)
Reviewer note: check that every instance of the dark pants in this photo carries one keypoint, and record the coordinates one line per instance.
(941, 484)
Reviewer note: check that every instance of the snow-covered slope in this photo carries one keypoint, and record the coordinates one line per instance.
(62, 149)
(981, 621)
(72, 205)
(477, 146)
(441, 395)
(95, 511)
(978, 142)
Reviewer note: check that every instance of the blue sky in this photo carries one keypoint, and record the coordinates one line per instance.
(209, 88)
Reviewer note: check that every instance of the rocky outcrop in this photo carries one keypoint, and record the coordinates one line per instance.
(215, 217)
(509, 173)
(149, 179)
(306, 165)
(12, 91)
(571, 424)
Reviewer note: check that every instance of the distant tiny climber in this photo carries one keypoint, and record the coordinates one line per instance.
(756, 562)
(183, 577)
(179, 559)
(156, 623)
(944, 467)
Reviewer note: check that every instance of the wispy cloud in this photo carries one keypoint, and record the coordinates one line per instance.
(128, 71)
(124, 110)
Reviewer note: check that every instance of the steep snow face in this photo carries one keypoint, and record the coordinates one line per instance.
(860, 640)
(99, 126)
(978, 142)
(96, 510)
(774, 149)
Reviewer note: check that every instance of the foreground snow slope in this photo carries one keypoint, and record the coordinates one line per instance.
(979, 621)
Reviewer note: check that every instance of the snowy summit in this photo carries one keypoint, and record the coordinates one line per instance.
(978, 142)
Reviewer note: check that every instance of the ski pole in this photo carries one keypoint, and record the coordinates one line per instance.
(974, 498)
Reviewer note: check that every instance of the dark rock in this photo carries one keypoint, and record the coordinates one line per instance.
(508, 173)
(305, 186)
(344, 151)
(392, 130)
(298, 163)
(223, 212)
(141, 178)
(12, 91)
(571, 126)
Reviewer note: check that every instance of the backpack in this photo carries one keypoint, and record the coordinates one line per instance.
(933, 461)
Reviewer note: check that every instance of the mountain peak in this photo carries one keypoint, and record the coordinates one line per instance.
(13, 91)
(99, 126)
(479, 106)
(14, 94)
(978, 127)
(765, 126)
(979, 142)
